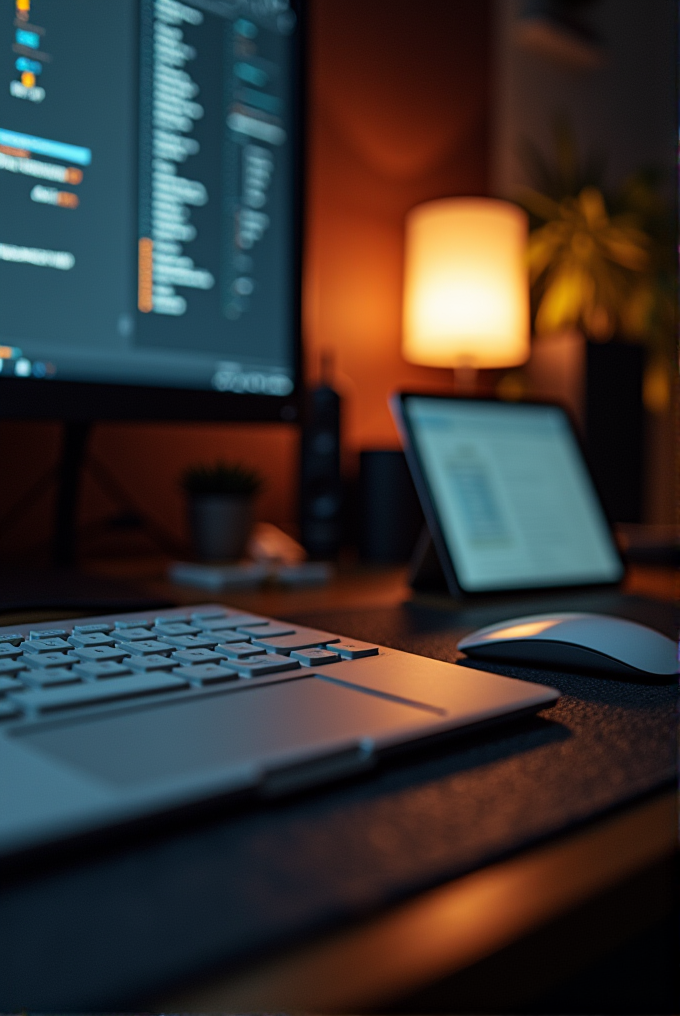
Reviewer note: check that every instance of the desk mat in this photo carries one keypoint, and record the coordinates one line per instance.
(113, 930)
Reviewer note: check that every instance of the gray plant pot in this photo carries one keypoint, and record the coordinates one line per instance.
(220, 525)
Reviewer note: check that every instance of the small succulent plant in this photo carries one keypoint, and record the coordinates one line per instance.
(221, 478)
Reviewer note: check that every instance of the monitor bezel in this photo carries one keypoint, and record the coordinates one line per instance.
(55, 399)
(430, 511)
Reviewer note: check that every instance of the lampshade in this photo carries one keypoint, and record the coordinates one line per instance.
(466, 286)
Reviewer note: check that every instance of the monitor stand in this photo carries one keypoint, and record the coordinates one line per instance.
(30, 592)
(75, 437)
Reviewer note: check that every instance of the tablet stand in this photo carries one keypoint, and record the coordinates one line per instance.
(425, 573)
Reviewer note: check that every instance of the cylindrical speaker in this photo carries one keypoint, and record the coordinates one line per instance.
(320, 482)
(615, 425)
(390, 516)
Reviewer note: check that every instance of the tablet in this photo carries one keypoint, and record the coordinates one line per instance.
(508, 497)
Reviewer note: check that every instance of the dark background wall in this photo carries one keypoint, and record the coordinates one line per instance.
(622, 106)
(406, 102)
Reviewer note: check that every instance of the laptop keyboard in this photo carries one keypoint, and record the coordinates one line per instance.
(49, 669)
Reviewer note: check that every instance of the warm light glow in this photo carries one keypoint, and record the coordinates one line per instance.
(521, 631)
(466, 286)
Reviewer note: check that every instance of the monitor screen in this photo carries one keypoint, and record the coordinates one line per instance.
(148, 175)
(513, 498)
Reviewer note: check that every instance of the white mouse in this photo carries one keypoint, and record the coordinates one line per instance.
(593, 641)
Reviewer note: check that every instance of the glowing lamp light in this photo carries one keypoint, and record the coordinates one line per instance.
(466, 285)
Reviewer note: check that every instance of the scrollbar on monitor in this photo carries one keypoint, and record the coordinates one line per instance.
(147, 193)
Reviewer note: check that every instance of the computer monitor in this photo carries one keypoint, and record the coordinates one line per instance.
(150, 181)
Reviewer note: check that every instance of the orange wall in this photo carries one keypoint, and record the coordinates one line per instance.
(398, 113)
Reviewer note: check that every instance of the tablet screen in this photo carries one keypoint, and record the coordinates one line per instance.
(514, 499)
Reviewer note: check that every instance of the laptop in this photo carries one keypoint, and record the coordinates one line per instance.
(110, 722)
(509, 500)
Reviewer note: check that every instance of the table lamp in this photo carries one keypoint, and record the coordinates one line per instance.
(466, 286)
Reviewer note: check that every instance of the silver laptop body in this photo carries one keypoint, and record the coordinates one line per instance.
(91, 757)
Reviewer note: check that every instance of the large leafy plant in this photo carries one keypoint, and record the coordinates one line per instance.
(600, 261)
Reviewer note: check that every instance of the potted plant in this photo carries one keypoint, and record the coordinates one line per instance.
(602, 262)
(603, 265)
(220, 501)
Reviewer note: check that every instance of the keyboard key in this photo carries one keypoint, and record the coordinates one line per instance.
(239, 650)
(258, 666)
(91, 638)
(92, 654)
(304, 638)
(39, 661)
(8, 683)
(55, 645)
(172, 619)
(237, 621)
(177, 628)
(223, 636)
(206, 673)
(350, 650)
(132, 635)
(105, 668)
(149, 647)
(8, 710)
(92, 692)
(50, 678)
(267, 631)
(10, 652)
(49, 633)
(137, 622)
(91, 629)
(192, 641)
(210, 615)
(314, 657)
(189, 656)
(11, 667)
(154, 661)
(12, 638)
(216, 627)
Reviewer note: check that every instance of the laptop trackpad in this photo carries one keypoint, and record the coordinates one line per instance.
(257, 726)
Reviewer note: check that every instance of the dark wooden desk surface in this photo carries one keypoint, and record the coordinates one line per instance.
(463, 931)
(464, 937)
(459, 927)
(474, 941)
(353, 586)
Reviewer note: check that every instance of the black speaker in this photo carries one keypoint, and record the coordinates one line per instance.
(390, 516)
(320, 481)
(615, 425)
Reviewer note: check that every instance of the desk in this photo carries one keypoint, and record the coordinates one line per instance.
(546, 913)
(249, 897)
(353, 586)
